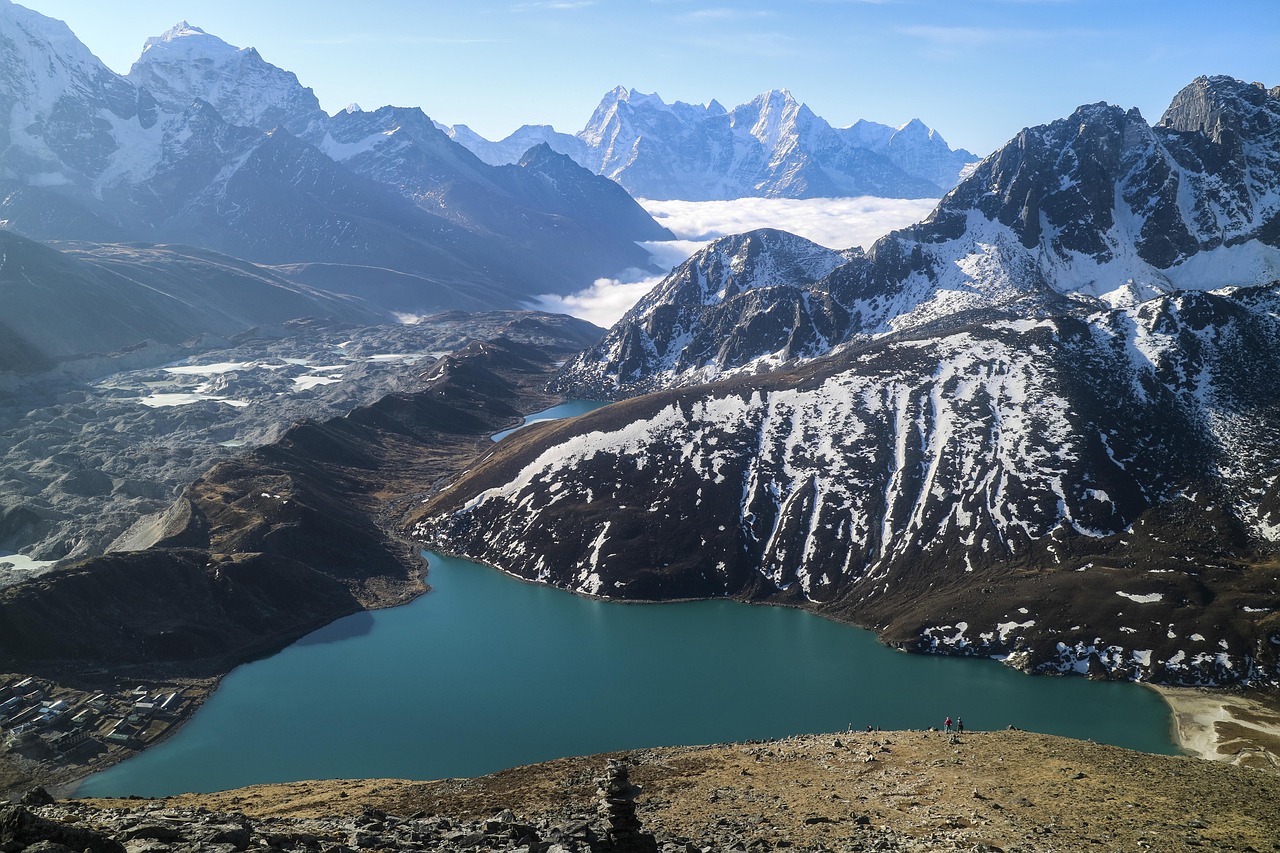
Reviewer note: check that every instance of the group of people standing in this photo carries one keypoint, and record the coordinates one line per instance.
(959, 724)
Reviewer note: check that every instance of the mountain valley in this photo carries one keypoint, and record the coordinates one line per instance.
(252, 355)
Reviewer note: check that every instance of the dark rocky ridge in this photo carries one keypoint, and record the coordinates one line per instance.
(266, 547)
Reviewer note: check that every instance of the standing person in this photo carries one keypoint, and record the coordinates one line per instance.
(960, 725)
(947, 724)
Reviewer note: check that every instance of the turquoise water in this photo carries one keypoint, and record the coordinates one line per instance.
(487, 672)
(568, 409)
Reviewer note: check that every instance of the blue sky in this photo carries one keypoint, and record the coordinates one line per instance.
(977, 70)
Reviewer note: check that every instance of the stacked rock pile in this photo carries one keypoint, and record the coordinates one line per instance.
(617, 811)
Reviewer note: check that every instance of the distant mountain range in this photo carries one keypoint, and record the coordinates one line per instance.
(773, 146)
(209, 145)
(1044, 423)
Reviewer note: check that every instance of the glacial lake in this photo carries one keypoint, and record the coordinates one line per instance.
(487, 672)
(567, 409)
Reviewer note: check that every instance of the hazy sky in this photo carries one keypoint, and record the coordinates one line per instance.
(977, 70)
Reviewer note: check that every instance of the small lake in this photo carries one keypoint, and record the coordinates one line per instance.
(567, 409)
(487, 672)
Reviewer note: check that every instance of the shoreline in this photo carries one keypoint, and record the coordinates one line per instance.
(1231, 728)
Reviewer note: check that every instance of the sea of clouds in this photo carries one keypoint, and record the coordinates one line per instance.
(838, 223)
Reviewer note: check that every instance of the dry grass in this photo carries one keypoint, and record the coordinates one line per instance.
(1007, 789)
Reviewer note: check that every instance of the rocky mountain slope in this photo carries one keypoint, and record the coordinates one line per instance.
(773, 146)
(210, 145)
(1047, 432)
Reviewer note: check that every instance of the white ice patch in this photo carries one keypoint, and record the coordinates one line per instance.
(161, 401)
(1004, 629)
(23, 563)
(209, 369)
(1148, 598)
(306, 383)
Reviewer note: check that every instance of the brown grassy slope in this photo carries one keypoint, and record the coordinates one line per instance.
(1013, 790)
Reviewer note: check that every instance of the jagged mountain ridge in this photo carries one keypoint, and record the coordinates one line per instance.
(751, 289)
(1040, 426)
(1093, 210)
(772, 146)
(209, 144)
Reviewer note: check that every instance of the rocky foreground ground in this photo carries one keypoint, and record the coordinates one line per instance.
(890, 791)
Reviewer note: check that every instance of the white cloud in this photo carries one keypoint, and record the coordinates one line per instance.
(605, 301)
(668, 254)
(838, 223)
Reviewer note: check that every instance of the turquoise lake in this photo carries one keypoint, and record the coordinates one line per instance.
(486, 672)
(567, 409)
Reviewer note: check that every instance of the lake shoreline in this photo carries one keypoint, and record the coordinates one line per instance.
(1235, 728)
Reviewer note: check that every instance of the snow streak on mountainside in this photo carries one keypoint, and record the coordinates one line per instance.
(932, 486)
(210, 144)
(1044, 423)
(1093, 210)
(773, 146)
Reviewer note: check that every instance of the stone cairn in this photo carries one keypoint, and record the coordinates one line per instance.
(617, 811)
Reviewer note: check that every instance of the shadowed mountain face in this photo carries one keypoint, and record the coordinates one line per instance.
(773, 146)
(207, 144)
(1034, 425)
(92, 299)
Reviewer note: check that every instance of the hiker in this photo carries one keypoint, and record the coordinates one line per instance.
(959, 725)
(947, 725)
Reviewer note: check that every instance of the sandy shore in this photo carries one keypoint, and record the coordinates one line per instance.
(1225, 727)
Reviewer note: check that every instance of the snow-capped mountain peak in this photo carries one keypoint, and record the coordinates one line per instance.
(49, 81)
(185, 31)
(185, 63)
(776, 114)
(1096, 210)
(772, 146)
